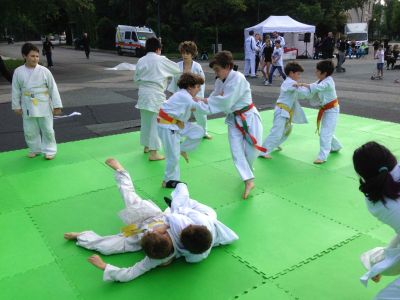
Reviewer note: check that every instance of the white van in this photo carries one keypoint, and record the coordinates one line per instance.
(357, 32)
(132, 39)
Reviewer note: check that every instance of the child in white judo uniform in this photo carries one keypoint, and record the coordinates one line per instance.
(287, 109)
(188, 50)
(173, 125)
(232, 95)
(323, 93)
(152, 74)
(188, 228)
(379, 174)
(35, 96)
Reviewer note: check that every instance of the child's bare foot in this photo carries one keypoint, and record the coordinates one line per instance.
(185, 156)
(248, 186)
(114, 164)
(32, 155)
(49, 156)
(207, 137)
(376, 278)
(96, 261)
(319, 161)
(154, 156)
(146, 150)
(267, 156)
(71, 235)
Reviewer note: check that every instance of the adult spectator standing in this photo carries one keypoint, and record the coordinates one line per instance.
(47, 50)
(250, 49)
(341, 56)
(376, 46)
(281, 39)
(267, 56)
(328, 44)
(86, 44)
(4, 71)
(260, 46)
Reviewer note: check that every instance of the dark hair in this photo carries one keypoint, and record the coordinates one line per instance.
(223, 59)
(28, 47)
(189, 80)
(152, 44)
(293, 67)
(326, 66)
(156, 246)
(373, 162)
(196, 238)
(251, 32)
(277, 42)
(188, 47)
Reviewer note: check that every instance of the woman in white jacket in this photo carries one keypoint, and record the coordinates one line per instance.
(380, 182)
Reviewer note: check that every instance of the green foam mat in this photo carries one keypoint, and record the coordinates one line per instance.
(301, 231)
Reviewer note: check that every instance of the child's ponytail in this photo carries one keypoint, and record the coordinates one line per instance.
(373, 162)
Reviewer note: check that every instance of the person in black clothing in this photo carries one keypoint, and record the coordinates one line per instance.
(267, 55)
(86, 44)
(376, 46)
(4, 71)
(327, 47)
(341, 56)
(47, 50)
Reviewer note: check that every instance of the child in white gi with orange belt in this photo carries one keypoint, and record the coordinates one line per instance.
(287, 109)
(232, 95)
(325, 97)
(35, 96)
(173, 125)
(152, 73)
(188, 50)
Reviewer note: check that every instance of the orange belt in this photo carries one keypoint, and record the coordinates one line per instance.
(164, 118)
(245, 128)
(321, 111)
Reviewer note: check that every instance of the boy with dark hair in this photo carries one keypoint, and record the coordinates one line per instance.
(151, 75)
(197, 239)
(35, 96)
(173, 125)
(323, 93)
(287, 109)
(232, 95)
(277, 62)
(157, 233)
(188, 51)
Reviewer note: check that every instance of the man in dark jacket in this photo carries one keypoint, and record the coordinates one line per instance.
(86, 44)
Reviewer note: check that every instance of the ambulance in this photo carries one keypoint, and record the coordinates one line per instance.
(132, 39)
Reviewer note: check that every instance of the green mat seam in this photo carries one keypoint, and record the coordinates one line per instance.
(54, 255)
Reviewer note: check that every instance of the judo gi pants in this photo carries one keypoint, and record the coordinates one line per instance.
(390, 292)
(119, 243)
(327, 141)
(201, 120)
(39, 135)
(171, 140)
(148, 131)
(278, 133)
(250, 66)
(243, 153)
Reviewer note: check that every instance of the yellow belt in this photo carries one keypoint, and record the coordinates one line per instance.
(132, 229)
(32, 95)
(289, 122)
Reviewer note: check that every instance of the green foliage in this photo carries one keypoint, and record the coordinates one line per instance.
(105, 34)
(12, 64)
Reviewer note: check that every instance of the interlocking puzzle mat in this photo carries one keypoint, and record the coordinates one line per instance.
(301, 232)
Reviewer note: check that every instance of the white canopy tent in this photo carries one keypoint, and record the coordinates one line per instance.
(292, 30)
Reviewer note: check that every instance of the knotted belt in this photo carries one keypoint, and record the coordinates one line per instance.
(132, 229)
(164, 118)
(322, 110)
(245, 128)
(288, 122)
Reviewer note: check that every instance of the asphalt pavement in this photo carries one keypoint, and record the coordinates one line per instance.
(106, 99)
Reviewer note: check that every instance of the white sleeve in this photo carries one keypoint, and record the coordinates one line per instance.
(53, 90)
(173, 85)
(319, 87)
(303, 92)
(195, 258)
(203, 86)
(113, 273)
(223, 103)
(201, 107)
(16, 92)
(395, 242)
